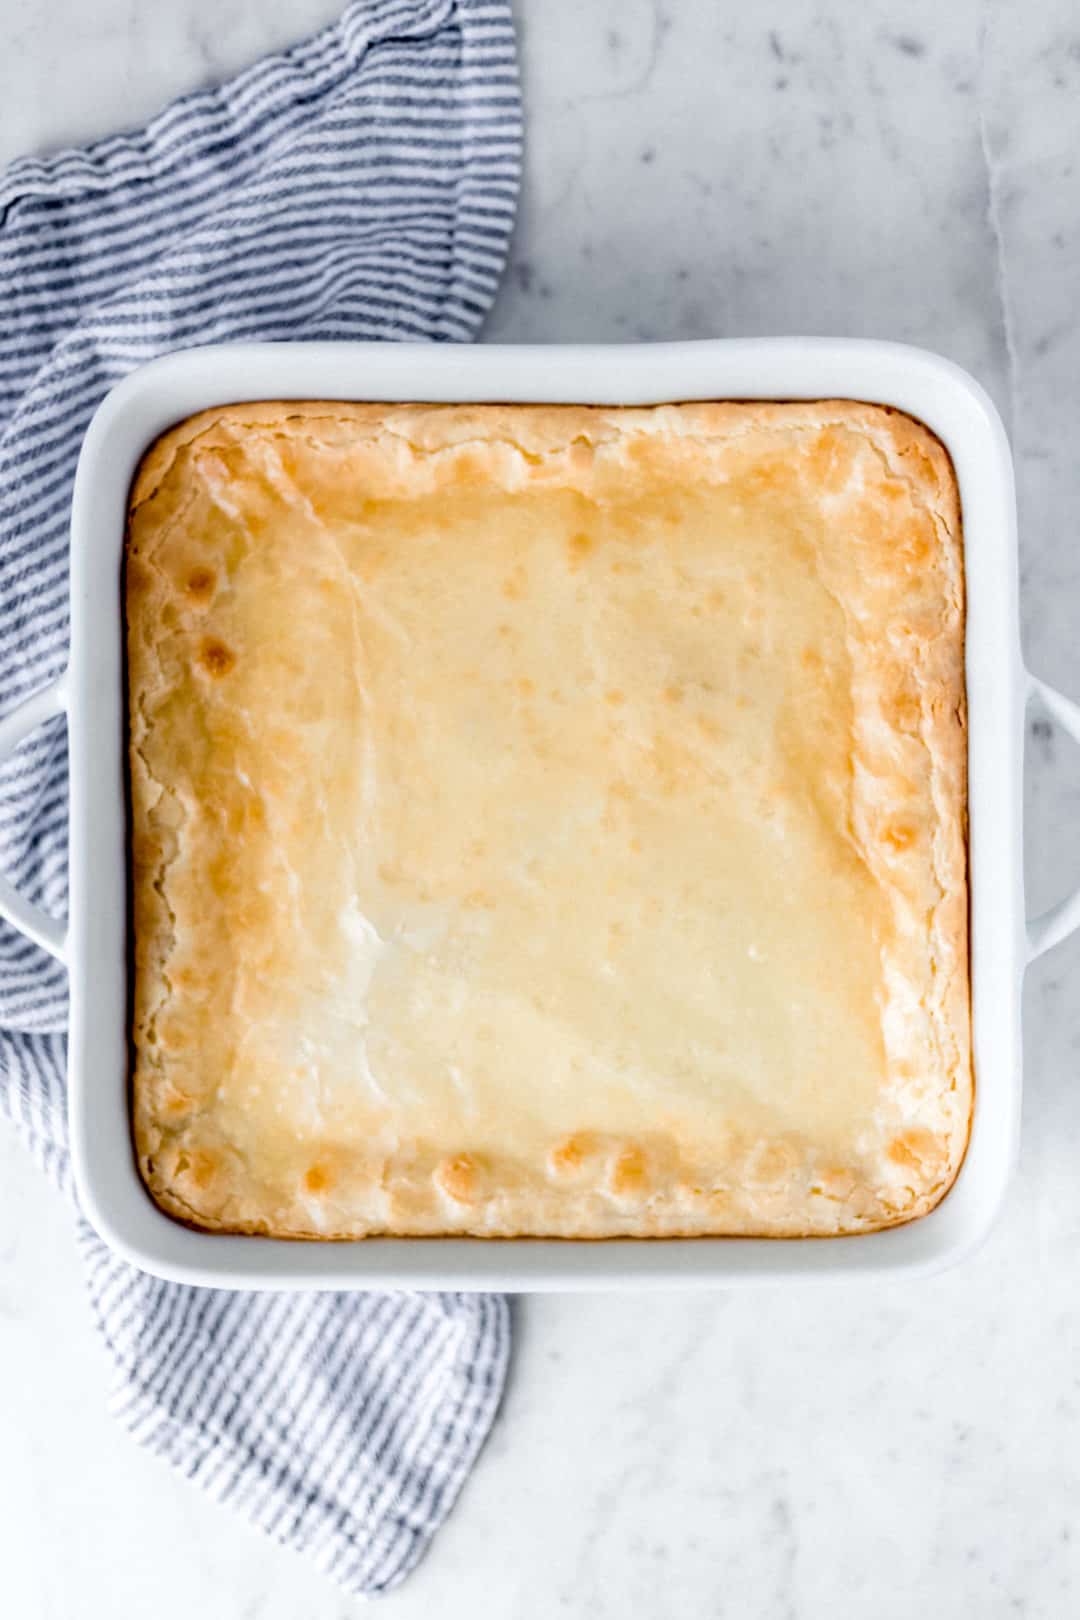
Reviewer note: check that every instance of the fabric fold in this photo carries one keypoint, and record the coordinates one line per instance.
(359, 186)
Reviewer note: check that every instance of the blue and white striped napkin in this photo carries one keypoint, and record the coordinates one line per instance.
(361, 185)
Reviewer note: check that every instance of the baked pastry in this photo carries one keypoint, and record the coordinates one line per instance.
(548, 820)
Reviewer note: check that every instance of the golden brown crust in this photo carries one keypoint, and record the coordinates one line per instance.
(548, 819)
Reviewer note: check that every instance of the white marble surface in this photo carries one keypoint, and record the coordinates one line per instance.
(694, 167)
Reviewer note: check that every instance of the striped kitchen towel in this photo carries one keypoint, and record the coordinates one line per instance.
(361, 185)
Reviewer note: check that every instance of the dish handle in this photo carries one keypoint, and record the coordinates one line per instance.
(46, 931)
(1054, 925)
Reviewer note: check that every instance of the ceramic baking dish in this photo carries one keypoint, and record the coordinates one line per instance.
(94, 943)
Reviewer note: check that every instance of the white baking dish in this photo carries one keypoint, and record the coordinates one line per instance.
(94, 944)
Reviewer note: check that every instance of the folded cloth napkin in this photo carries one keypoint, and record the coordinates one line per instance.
(361, 185)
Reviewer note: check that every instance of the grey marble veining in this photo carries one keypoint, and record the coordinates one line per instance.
(693, 168)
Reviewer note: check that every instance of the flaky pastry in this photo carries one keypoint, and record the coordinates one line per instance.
(548, 820)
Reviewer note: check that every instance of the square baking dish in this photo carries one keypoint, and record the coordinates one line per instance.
(95, 946)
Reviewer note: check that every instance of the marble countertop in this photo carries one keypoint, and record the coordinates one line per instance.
(694, 168)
